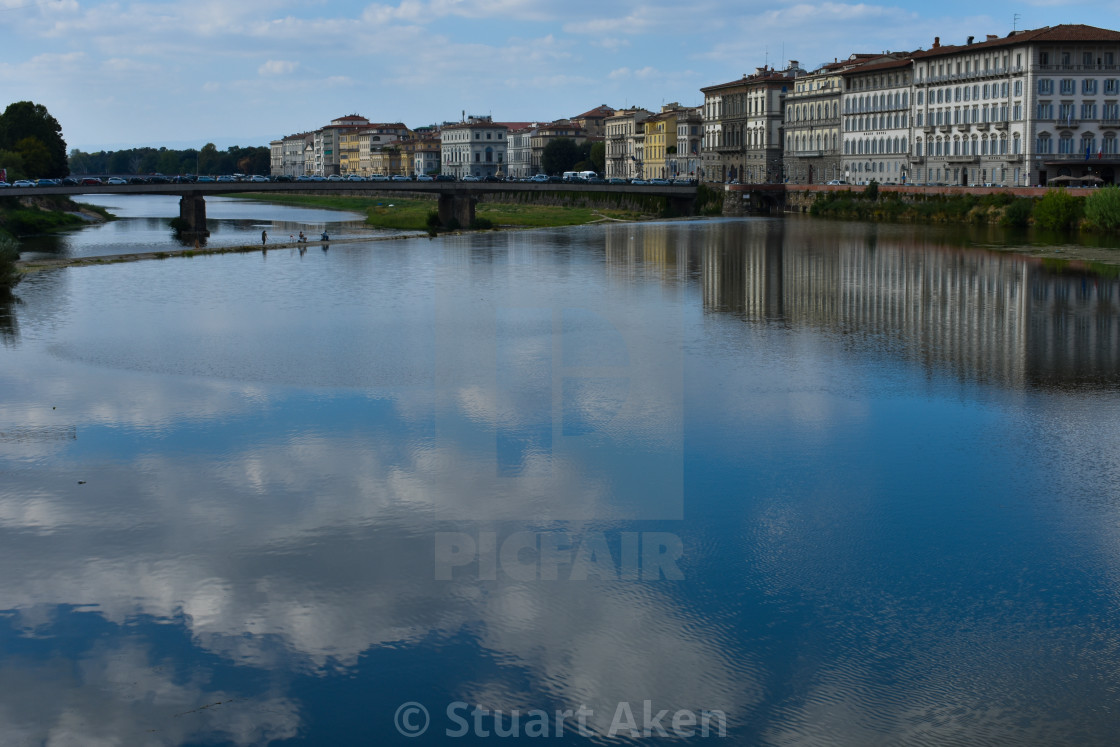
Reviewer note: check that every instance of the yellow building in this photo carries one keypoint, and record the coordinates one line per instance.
(660, 141)
(349, 152)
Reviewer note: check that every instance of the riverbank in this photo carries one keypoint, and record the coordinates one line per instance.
(24, 216)
(36, 265)
(412, 214)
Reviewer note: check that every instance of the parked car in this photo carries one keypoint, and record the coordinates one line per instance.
(257, 178)
(355, 178)
(470, 178)
(445, 178)
(318, 178)
(335, 178)
(69, 182)
(227, 178)
(400, 178)
(639, 182)
(46, 183)
(4, 185)
(23, 183)
(425, 178)
(281, 178)
(204, 180)
(158, 179)
(616, 180)
(378, 178)
(91, 181)
(539, 178)
(836, 182)
(116, 180)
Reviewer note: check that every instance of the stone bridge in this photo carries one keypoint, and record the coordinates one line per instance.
(456, 199)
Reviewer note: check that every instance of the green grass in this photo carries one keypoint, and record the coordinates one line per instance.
(412, 214)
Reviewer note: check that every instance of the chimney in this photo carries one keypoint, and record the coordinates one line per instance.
(970, 40)
(937, 42)
(992, 36)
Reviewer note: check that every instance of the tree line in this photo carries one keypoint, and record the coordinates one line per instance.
(205, 160)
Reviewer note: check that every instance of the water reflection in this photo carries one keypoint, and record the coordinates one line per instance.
(984, 315)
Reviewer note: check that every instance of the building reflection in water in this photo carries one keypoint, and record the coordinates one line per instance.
(982, 314)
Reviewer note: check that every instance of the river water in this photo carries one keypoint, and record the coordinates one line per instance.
(802, 482)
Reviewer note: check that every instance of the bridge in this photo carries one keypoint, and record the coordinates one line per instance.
(457, 200)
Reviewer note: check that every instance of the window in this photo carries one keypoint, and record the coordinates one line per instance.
(1045, 86)
(920, 97)
(1044, 58)
(1065, 58)
(976, 92)
(1088, 144)
(1111, 110)
(1089, 110)
(985, 90)
(1068, 86)
(1108, 144)
(1089, 85)
(1086, 58)
(1044, 144)
(967, 93)
(1109, 58)
(1111, 87)
(1065, 144)
(1045, 110)
(1018, 60)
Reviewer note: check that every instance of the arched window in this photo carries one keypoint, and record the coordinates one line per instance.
(489, 154)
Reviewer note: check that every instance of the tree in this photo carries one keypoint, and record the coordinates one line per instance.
(13, 162)
(26, 119)
(36, 157)
(559, 156)
(599, 157)
(208, 159)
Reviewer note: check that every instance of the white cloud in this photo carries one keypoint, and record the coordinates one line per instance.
(278, 67)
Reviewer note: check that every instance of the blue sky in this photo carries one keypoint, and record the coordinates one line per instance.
(186, 72)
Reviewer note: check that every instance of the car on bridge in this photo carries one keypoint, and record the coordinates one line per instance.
(400, 178)
(116, 180)
(335, 178)
(23, 183)
(91, 181)
(425, 178)
(226, 178)
(445, 178)
(355, 178)
(46, 183)
(470, 178)
(204, 180)
(257, 178)
(378, 177)
(4, 184)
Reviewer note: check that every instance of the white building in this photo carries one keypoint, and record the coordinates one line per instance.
(476, 147)
(1020, 109)
(875, 116)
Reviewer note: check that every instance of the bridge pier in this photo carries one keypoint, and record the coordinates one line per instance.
(192, 213)
(457, 205)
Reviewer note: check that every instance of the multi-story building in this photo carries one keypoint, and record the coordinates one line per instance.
(295, 148)
(421, 152)
(811, 126)
(743, 126)
(276, 156)
(326, 146)
(875, 111)
(1020, 109)
(684, 162)
(623, 159)
(519, 152)
(476, 147)
(661, 135)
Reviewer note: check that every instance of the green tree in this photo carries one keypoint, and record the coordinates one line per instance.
(36, 157)
(26, 119)
(560, 155)
(13, 162)
(208, 159)
(599, 157)
(9, 255)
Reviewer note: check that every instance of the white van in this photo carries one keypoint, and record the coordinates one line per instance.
(571, 176)
(588, 175)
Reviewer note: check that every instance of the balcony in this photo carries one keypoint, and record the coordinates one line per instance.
(962, 159)
(1000, 125)
(916, 159)
(1067, 124)
(980, 125)
(962, 126)
(945, 127)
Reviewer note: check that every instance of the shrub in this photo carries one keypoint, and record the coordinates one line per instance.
(9, 255)
(1057, 210)
(871, 191)
(1102, 208)
(1018, 213)
(481, 224)
(433, 220)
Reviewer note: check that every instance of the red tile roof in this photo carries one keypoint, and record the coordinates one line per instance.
(1070, 32)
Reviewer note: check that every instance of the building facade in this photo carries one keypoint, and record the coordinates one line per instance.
(623, 155)
(876, 117)
(812, 126)
(1019, 110)
(476, 147)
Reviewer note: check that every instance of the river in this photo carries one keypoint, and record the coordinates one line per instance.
(791, 481)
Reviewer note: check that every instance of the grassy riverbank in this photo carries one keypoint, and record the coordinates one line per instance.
(1095, 210)
(412, 214)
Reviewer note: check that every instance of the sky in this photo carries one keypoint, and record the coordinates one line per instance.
(182, 73)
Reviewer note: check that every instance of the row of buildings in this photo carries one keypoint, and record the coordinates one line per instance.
(1012, 110)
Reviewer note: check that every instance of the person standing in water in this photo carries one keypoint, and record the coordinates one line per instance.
(264, 237)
